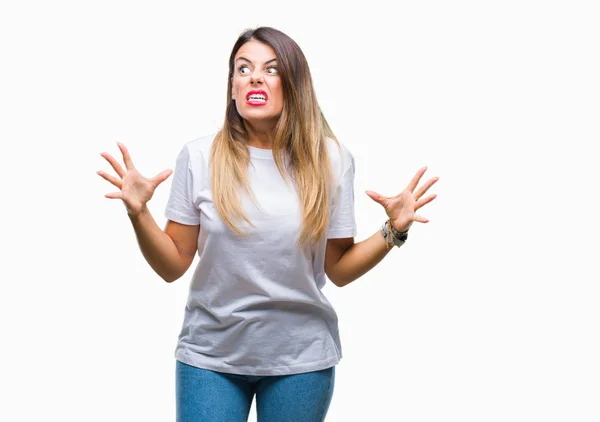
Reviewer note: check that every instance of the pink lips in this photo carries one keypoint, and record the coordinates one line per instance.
(254, 102)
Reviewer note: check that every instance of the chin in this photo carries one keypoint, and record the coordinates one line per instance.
(259, 116)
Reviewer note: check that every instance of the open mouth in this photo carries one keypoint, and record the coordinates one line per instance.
(256, 97)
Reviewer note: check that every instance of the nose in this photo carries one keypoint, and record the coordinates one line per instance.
(256, 77)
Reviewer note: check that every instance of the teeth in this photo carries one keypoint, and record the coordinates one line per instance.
(257, 97)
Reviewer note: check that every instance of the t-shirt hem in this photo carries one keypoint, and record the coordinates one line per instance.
(182, 219)
(342, 233)
(200, 361)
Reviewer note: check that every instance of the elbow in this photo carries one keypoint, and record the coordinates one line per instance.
(337, 280)
(174, 272)
(170, 277)
(341, 282)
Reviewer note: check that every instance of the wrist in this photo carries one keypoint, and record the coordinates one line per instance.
(399, 230)
(138, 213)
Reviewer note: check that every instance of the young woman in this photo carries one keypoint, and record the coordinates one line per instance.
(268, 205)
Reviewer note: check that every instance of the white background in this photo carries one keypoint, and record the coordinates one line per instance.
(489, 312)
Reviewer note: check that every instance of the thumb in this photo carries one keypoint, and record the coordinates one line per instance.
(376, 197)
(161, 177)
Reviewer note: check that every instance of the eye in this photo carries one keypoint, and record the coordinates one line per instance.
(243, 69)
(272, 70)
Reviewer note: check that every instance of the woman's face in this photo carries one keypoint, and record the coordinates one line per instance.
(256, 85)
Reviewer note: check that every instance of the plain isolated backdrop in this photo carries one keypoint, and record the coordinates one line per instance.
(488, 313)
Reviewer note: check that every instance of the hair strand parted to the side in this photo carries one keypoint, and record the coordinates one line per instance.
(300, 134)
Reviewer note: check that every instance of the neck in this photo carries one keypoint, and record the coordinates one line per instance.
(260, 135)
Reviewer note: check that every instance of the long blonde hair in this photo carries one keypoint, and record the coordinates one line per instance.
(300, 137)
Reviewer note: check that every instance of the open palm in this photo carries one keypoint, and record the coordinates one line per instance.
(402, 208)
(135, 190)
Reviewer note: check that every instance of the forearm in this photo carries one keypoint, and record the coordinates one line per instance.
(159, 250)
(360, 258)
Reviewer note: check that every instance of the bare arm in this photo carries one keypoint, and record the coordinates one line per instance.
(345, 261)
(170, 252)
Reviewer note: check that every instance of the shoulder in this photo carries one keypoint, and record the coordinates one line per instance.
(199, 148)
(341, 157)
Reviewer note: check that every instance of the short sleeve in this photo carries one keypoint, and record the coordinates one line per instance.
(180, 206)
(343, 223)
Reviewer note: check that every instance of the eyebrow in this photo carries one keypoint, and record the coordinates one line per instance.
(267, 62)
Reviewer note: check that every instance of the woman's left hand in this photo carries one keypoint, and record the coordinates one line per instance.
(402, 207)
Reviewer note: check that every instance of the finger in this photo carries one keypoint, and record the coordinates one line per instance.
(380, 199)
(161, 177)
(126, 157)
(114, 195)
(419, 193)
(112, 179)
(420, 219)
(415, 180)
(424, 201)
(115, 165)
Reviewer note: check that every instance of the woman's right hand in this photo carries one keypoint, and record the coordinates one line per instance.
(134, 189)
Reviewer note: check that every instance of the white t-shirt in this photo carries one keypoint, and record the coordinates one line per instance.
(255, 305)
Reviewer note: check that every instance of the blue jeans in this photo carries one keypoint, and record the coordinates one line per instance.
(203, 395)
